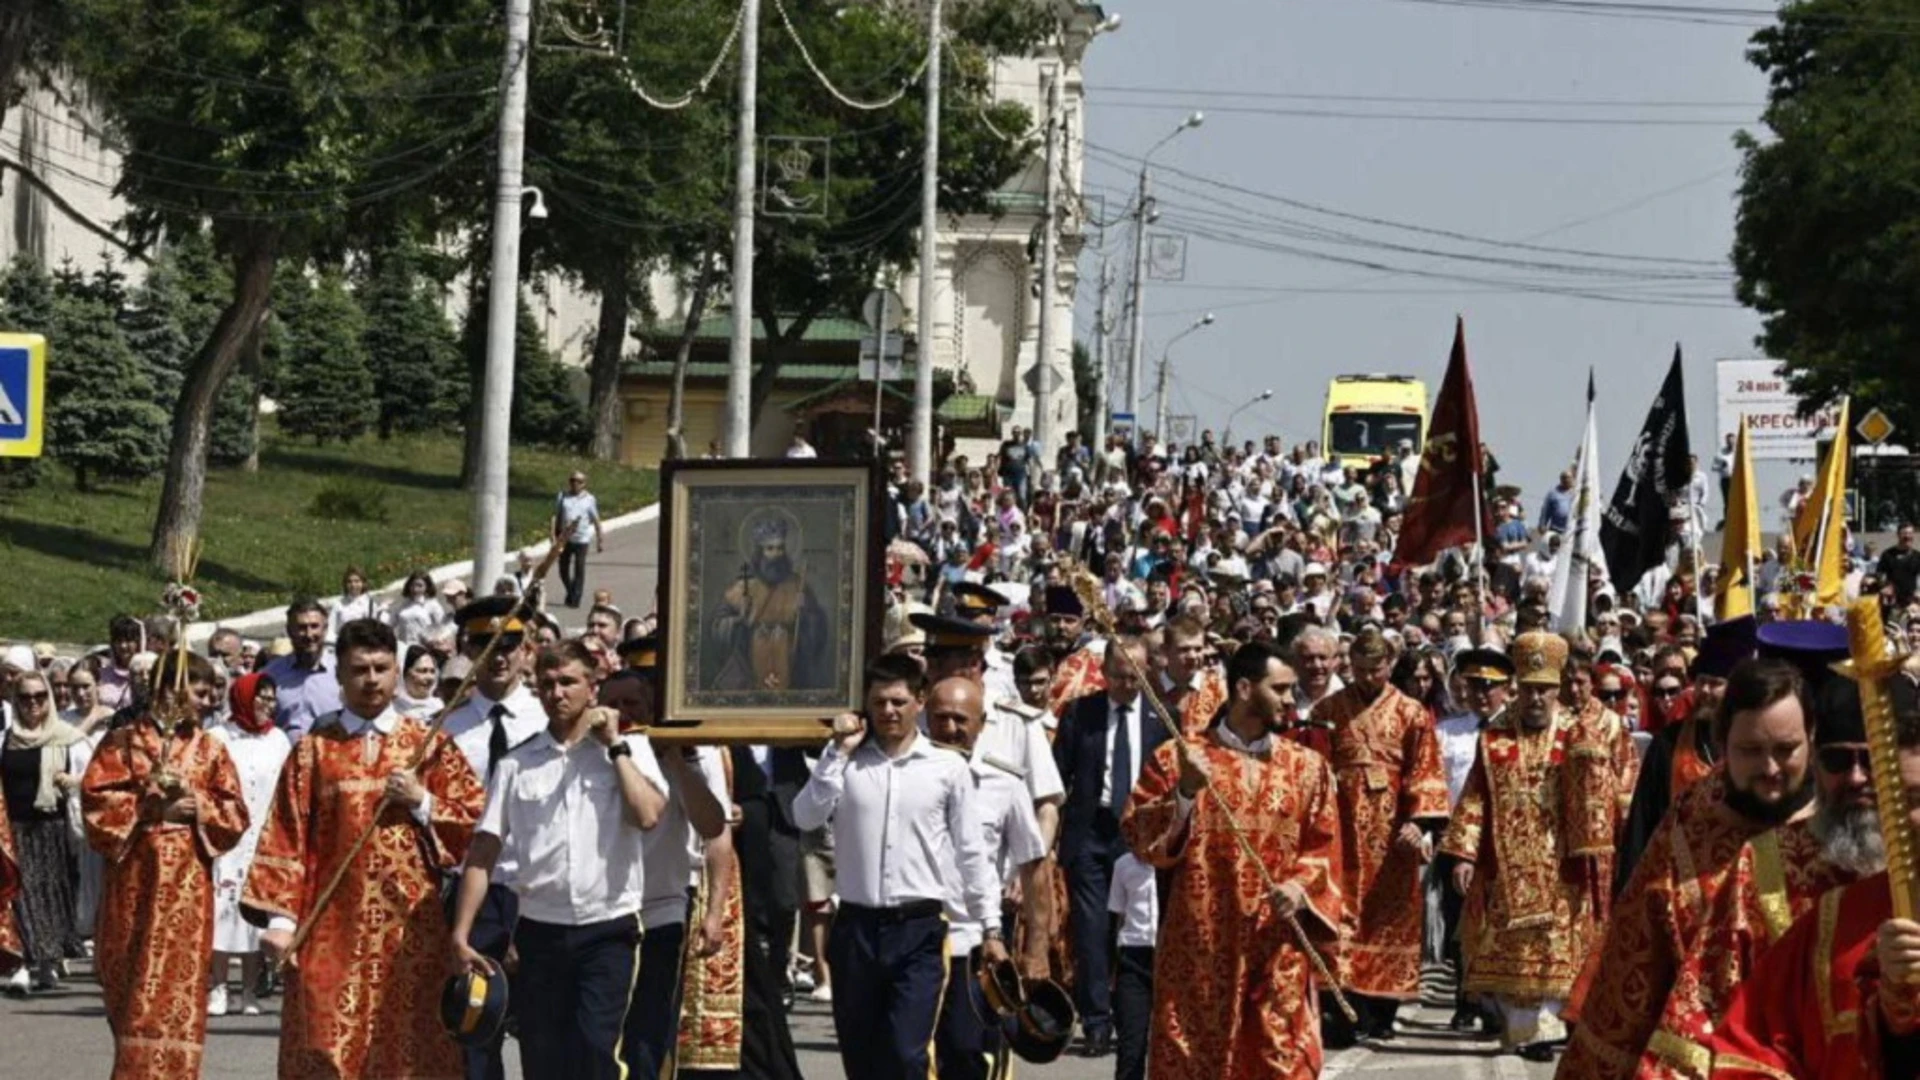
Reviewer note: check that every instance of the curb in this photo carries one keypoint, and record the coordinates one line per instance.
(268, 622)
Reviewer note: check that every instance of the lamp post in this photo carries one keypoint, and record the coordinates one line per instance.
(1227, 435)
(1160, 405)
(1143, 215)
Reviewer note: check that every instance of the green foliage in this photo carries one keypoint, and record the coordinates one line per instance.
(26, 296)
(546, 411)
(410, 347)
(326, 391)
(170, 315)
(101, 419)
(1827, 244)
(351, 498)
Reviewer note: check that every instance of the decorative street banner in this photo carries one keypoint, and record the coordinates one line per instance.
(1757, 389)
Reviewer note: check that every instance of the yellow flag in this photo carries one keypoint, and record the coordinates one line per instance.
(1740, 545)
(1818, 527)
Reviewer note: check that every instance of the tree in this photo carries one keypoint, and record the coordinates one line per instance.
(1824, 243)
(409, 346)
(546, 412)
(168, 315)
(326, 390)
(290, 127)
(101, 419)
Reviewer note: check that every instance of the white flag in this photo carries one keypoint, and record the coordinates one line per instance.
(1581, 551)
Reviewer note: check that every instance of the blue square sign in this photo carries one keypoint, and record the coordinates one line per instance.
(23, 404)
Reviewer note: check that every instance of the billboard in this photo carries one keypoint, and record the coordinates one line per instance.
(1758, 389)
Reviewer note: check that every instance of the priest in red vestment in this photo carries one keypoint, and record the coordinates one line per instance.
(12, 952)
(1234, 994)
(1526, 844)
(363, 992)
(161, 800)
(1195, 689)
(1738, 858)
(1393, 802)
(1838, 998)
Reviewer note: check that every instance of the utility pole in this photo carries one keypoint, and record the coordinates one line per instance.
(1049, 269)
(1101, 328)
(739, 414)
(503, 307)
(1160, 403)
(920, 445)
(1142, 214)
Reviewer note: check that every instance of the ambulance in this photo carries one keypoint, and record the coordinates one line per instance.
(1368, 415)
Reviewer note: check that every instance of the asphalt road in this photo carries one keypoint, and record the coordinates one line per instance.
(63, 1033)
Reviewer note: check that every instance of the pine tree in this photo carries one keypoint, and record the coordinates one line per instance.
(101, 419)
(409, 345)
(546, 411)
(326, 389)
(169, 315)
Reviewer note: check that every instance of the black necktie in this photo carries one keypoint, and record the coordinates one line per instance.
(497, 741)
(1121, 767)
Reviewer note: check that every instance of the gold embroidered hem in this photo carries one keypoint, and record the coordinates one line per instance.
(712, 1011)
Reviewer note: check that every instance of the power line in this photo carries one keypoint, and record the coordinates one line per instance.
(1444, 118)
(1423, 99)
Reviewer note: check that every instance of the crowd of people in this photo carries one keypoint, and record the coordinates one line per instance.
(1164, 758)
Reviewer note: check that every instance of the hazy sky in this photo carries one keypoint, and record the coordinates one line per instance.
(1658, 187)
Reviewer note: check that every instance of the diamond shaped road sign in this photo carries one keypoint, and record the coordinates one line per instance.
(1874, 428)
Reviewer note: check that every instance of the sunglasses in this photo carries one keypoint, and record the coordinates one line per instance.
(479, 642)
(35, 699)
(1842, 760)
(1664, 692)
(1611, 695)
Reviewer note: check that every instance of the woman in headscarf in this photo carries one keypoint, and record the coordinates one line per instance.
(419, 679)
(258, 749)
(41, 786)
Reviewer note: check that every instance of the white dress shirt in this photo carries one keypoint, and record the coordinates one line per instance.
(471, 730)
(559, 812)
(1134, 732)
(1135, 898)
(670, 847)
(1012, 836)
(1459, 745)
(898, 823)
(1015, 742)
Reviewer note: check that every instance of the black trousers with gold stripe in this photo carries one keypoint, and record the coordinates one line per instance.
(572, 994)
(889, 976)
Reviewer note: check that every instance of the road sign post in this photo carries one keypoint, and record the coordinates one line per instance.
(23, 399)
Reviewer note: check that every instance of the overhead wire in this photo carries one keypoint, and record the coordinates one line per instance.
(806, 56)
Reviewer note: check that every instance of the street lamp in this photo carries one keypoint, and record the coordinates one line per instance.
(1142, 215)
(1227, 435)
(1160, 408)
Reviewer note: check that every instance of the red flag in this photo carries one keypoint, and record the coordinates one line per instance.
(1440, 511)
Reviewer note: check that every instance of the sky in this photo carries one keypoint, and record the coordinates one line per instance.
(1655, 183)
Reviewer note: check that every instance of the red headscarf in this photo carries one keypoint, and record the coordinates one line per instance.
(240, 697)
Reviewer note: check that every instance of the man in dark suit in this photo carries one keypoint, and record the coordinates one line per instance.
(765, 780)
(1101, 743)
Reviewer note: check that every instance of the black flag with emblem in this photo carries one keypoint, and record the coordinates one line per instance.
(1638, 523)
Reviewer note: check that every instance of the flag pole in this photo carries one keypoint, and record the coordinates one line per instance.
(1479, 546)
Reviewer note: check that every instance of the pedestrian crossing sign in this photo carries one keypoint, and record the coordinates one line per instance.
(23, 402)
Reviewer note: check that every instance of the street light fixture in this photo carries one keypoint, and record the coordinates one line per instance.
(1143, 215)
(1226, 436)
(1160, 408)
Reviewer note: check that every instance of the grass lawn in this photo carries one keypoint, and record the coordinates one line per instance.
(74, 560)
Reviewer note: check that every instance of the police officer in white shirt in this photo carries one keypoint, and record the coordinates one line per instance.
(569, 808)
(903, 814)
(956, 717)
(696, 812)
(499, 714)
(1487, 676)
(981, 604)
(1014, 740)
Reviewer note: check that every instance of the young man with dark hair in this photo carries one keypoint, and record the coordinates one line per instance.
(367, 956)
(902, 815)
(570, 807)
(162, 801)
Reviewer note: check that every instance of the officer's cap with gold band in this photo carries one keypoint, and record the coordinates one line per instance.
(1483, 665)
(641, 653)
(490, 615)
(971, 601)
(947, 633)
(1539, 658)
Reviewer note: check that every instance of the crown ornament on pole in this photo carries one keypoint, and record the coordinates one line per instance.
(174, 711)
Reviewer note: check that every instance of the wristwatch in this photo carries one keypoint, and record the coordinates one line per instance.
(992, 935)
(619, 750)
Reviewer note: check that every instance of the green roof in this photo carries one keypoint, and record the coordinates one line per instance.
(716, 369)
(963, 408)
(720, 328)
(834, 388)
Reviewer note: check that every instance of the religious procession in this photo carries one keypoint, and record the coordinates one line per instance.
(1205, 761)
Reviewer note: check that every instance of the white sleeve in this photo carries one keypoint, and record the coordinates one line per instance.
(970, 848)
(813, 806)
(1043, 773)
(1020, 833)
(647, 762)
(493, 818)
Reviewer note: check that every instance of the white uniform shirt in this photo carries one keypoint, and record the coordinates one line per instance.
(471, 730)
(1016, 743)
(1134, 896)
(559, 812)
(1459, 746)
(669, 848)
(898, 823)
(1012, 836)
(997, 675)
